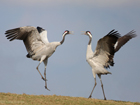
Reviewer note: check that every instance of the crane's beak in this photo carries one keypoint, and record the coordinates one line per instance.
(83, 33)
(71, 32)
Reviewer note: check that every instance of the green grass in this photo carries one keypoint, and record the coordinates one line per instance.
(24, 99)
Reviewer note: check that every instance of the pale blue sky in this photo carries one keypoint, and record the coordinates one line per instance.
(68, 73)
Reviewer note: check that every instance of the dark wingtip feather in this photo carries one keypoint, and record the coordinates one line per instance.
(111, 31)
(114, 33)
(40, 29)
(12, 38)
(12, 31)
(12, 34)
(132, 34)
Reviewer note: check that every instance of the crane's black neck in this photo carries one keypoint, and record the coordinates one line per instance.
(63, 38)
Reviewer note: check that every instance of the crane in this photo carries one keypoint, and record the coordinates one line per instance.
(102, 57)
(36, 43)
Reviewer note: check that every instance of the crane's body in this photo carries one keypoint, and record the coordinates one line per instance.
(102, 57)
(46, 51)
(36, 43)
(94, 63)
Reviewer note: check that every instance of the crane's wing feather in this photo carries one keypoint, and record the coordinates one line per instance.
(124, 39)
(104, 51)
(30, 37)
(43, 35)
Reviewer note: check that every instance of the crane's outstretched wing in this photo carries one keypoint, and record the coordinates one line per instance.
(124, 39)
(29, 35)
(104, 51)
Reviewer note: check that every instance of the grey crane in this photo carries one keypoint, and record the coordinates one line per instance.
(102, 57)
(36, 43)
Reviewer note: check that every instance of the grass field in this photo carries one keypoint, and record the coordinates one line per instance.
(24, 99)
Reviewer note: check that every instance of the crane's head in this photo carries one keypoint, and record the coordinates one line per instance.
(87, 33)
(67, 32)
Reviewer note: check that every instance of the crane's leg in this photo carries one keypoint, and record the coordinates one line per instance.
(93, 88)
(102, 87)
(45, 63)
(43, 57)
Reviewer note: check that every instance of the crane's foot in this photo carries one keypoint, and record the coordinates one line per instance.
(47, 88)
(44, 79)
(105, 98)
(90, 96)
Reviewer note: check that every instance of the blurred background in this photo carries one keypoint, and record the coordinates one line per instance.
(68, 73)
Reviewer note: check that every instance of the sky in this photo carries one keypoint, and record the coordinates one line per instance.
(68, 73)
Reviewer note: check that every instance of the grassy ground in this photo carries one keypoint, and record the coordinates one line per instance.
(24, 99)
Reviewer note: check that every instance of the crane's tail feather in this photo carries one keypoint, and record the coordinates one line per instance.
(106, 73)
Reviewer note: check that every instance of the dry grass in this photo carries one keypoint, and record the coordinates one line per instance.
(24, 99)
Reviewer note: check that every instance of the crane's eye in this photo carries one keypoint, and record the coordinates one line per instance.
(66, 32)
(89, 32)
